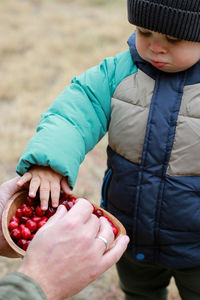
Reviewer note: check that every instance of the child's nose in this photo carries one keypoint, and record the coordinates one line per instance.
(157, 47)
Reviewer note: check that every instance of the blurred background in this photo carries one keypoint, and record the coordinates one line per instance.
(43, 45)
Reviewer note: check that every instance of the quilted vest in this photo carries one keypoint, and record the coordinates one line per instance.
(152, 184)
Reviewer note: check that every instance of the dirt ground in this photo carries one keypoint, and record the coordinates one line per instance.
(43, 45)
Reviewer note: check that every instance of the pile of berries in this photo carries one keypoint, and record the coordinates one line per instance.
(29, 218)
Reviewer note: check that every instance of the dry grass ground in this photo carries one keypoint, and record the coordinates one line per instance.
(43, 44)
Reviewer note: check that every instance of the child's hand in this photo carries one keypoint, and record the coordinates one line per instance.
(48, 182)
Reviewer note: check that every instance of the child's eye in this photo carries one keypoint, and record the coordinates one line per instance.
(172, 39)
(144, 32)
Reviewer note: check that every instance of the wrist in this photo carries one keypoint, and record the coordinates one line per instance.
(41, 281)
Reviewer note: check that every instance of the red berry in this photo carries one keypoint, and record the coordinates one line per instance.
(12, 225)
(39, 211)
(108, 220)
(24, 219)
(30, 224)
(27, 211)
(21, 226)
(63, 202)
(30, 201)
(16, 234)
(98, 212)
(73, 199)
(19, 212)
(32, 236)
(15, 219)
(21, 243)
(115, 231)
(23, 205)
(93, 208)
(64, 197)
(50, 212)
(25, 246)
(69, 205)
(26, 233)
(36, 219)
(41, 223)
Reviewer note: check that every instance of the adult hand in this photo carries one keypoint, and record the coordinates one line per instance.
(66, 253)
(7, 189)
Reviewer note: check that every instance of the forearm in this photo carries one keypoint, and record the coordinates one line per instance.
(19, 286)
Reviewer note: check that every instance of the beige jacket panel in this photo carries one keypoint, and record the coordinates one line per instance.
(130, 109)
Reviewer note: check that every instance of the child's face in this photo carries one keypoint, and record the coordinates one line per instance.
(166, 53)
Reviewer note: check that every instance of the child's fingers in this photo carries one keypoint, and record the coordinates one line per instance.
(25, 178)
(55, 193)
(33, 187)
(65, 186)
(44, 194)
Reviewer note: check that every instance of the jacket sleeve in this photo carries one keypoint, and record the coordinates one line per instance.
(76, 120)
(18, 286)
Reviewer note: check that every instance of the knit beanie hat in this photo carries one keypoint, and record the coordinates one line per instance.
(178, 18)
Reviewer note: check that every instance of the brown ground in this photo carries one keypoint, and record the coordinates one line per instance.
(43, 44)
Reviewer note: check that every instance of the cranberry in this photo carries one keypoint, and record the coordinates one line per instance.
(114, 228)
(16, 234)
(16, 219)
(69, 205)
(39, 211)
(24, 219)
(63, 202)
(64, 197)
(21, 242)
(31, 225)
(23, 205)
(25, 246)
(93, 208)
(27, 211)
(73, 199)
(21, 226)
(98, 212)
(12, 225)
(30, 201)
(108, 219)
(36, 219)
(26, 233)
(32, 236)
(41, 223)
(19, 212)
(50, 212)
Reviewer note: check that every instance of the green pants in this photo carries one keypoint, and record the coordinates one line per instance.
(147, 281)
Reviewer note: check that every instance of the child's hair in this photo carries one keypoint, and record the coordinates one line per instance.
(177, 18)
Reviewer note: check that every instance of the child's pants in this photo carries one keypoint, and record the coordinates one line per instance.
(149, 281)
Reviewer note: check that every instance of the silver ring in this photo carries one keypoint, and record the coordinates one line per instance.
(103, 239)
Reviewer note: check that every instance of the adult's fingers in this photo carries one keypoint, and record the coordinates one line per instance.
(12, 185)
(81, 210)
(105, 236)
(114, 254)
(91, 226)
(60, 213)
